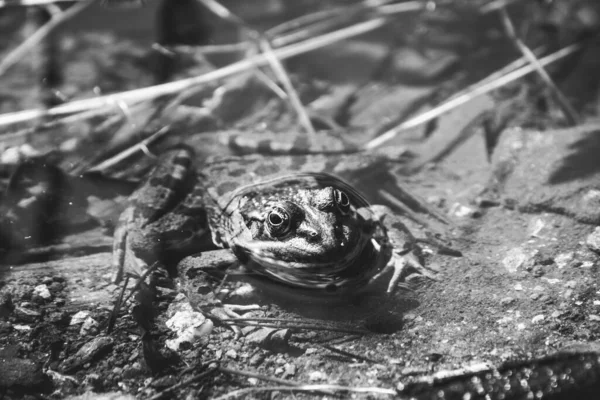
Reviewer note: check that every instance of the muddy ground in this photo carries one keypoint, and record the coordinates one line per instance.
(525, 217)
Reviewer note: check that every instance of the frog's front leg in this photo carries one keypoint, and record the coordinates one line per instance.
(401, 247)
(202, 279)
(163, 221)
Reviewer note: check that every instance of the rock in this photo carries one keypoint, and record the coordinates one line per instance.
(5, 327)
(289, 370)
(164, 382)
(537, 319)
(42, 291)
(189, 326)
(6, 304)
(554, 170)
(564, 259)
(21, 373)
(102, 396)
(26, 314)
(317, 376)
(462, 211)
(79, 317)
(89, 327)
(593, 240)
(89, 352)
(256, 359)
(519, 258)
(270, 338)
(507, 301)
(231, 353)
(593, 317)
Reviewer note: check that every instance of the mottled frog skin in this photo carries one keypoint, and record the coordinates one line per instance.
(283, 218)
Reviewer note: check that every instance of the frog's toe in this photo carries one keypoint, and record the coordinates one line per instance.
(228, 314)
(402, 266)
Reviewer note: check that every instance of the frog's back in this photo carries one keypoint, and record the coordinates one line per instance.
(228, 178)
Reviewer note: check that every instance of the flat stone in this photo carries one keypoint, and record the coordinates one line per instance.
(88, 352)
(22, 373)
(42, 291)
(593, 240)
(554, 170)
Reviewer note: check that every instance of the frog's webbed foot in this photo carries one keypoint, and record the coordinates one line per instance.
(203, 279)
(402, 266)
(396, 240)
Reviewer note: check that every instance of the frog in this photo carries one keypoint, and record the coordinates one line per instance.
(290, 222)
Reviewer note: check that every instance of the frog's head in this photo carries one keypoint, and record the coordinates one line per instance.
(311, 238)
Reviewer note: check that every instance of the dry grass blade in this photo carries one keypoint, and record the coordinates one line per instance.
(349, 354)
(292, 324)
(141, 146)
(26, 47)
(151, 92)
(257, 376)
(564, 104)
(325, 389)
(478, 91)
(196, 378)
(274, 62)
(208, 49)
(285, 80)
(496, 5)
(28, 3)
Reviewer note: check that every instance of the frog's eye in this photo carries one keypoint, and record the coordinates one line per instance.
(278, 222)
(342, 201)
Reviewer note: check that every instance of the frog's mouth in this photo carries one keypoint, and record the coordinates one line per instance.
(350, 271)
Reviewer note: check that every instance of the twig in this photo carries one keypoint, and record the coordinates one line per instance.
(285, 80)
(25, 48)
(240, 321)
(274, 62)
(211, 369)
(257, 376)
(141, 146)
(480, 90)
(348, 354)
(28, 3)
(148, 93)
(308, 388)
(116, 308)
(564, 104)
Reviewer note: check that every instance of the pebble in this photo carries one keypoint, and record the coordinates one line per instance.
(564, 259)
(537, 319)
(42, 291)
(462, 211)
(26, 314)
(593, 240)
(256, 359)
(593, 317)
(317, 376)
(571, 284)
(87, 353)
(189, 326)
(289, 370)
(89, 326)
(79, 317)
(507, 301)
(5, 327)
(270, 338)
(231, 354)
